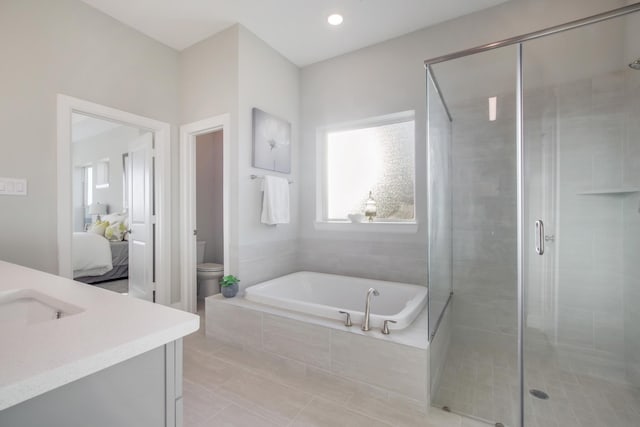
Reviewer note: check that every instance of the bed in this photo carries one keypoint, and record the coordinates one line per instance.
(97, 260)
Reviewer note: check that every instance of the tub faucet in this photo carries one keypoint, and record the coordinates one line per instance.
(367, 308)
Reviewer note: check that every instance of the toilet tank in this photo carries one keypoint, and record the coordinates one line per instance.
(201, 246)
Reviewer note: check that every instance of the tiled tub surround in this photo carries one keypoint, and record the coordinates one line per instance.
(391, 260)
(394, 367)
(327, 295)
(234, 385)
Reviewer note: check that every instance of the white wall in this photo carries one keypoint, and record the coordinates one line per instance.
(70, 48)
(109, 145)
(209, 180)
(269, 82)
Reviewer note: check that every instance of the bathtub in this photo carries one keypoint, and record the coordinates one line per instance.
(324, 295)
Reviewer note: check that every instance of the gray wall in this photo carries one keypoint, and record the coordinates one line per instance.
(631, 207)
(208, 86)
(631, 231)
(70, 48)
(209, 180)
(269, 82)
(232, 72)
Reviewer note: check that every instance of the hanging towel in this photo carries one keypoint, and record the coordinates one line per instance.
(275, 200)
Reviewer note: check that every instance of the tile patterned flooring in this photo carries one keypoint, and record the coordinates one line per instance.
(224, 386)
(481, 381)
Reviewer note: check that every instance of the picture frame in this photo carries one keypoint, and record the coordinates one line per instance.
(271, 142)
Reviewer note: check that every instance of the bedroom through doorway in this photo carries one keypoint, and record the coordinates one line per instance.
(112, 205)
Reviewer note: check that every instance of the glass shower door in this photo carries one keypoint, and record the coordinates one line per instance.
(472, 252)
(582, 227)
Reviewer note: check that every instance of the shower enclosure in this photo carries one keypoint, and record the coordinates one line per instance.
(534, 226)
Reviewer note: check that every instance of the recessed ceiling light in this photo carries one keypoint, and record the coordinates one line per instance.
(335, 19)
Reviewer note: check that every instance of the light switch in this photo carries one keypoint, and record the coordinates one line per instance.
(13, 187)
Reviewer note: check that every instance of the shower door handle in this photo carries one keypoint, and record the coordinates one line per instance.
(539, 237)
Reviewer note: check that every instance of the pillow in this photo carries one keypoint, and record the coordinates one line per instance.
(99, 227)
(115, 217)
(115, 231)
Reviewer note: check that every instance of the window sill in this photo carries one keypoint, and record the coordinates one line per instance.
(368, 227)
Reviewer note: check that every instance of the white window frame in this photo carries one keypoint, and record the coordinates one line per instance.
(321, 221)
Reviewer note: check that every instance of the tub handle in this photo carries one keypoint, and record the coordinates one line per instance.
(385, 326)
(347, 321)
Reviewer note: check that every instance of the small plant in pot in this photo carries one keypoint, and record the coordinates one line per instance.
(229, 286)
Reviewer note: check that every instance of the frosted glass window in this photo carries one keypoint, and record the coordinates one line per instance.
(379, 159)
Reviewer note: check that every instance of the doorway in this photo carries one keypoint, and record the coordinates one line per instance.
(113, 202)
(209, 213)
(205, 182)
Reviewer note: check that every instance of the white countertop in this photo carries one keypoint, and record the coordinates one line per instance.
(112, 328)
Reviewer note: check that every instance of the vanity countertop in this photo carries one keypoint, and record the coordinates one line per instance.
(110, 329)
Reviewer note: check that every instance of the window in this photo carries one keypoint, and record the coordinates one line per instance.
(88, 185)
(377, 156)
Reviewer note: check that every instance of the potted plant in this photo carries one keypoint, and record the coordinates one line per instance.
(229, 286)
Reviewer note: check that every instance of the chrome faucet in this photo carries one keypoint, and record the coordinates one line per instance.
(367, 308)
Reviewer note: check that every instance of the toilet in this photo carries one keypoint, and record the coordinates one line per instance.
(209, 274)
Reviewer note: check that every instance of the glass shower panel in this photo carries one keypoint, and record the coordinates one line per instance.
(439, 192)
(582, 183)
(439, 252)
(477, 376)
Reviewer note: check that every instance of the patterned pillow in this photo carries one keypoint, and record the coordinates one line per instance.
(116, 231)
(99, 227)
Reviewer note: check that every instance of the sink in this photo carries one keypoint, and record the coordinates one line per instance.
(28, 306)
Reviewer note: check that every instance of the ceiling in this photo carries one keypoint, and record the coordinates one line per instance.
(298, 29)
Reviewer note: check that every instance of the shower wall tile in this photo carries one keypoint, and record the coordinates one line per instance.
(609, 334)
(484, 220)
(575, 327)
(592, 153)
(631, 232)
(574, 99)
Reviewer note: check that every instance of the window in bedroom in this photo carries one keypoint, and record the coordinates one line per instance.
(372, 156)
(88, 185)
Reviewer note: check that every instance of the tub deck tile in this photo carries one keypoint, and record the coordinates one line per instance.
(305, 342)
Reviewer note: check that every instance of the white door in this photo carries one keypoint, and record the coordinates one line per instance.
(141, 216)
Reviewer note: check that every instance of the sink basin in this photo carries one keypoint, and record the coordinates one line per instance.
(28, 306)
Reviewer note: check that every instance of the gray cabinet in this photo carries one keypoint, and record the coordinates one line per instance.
(145, 391)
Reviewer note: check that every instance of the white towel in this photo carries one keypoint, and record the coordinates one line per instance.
(275, 200)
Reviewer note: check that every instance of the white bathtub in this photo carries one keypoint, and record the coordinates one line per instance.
(325, 295)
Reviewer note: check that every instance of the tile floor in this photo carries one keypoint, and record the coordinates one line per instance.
(480, 379)
(224, 386)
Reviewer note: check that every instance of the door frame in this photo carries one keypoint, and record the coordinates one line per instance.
(188, 247)
(68, 105)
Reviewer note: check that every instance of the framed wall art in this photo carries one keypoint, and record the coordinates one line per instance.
(271, 142)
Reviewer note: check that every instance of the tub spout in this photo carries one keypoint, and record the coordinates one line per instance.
(367, 308)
